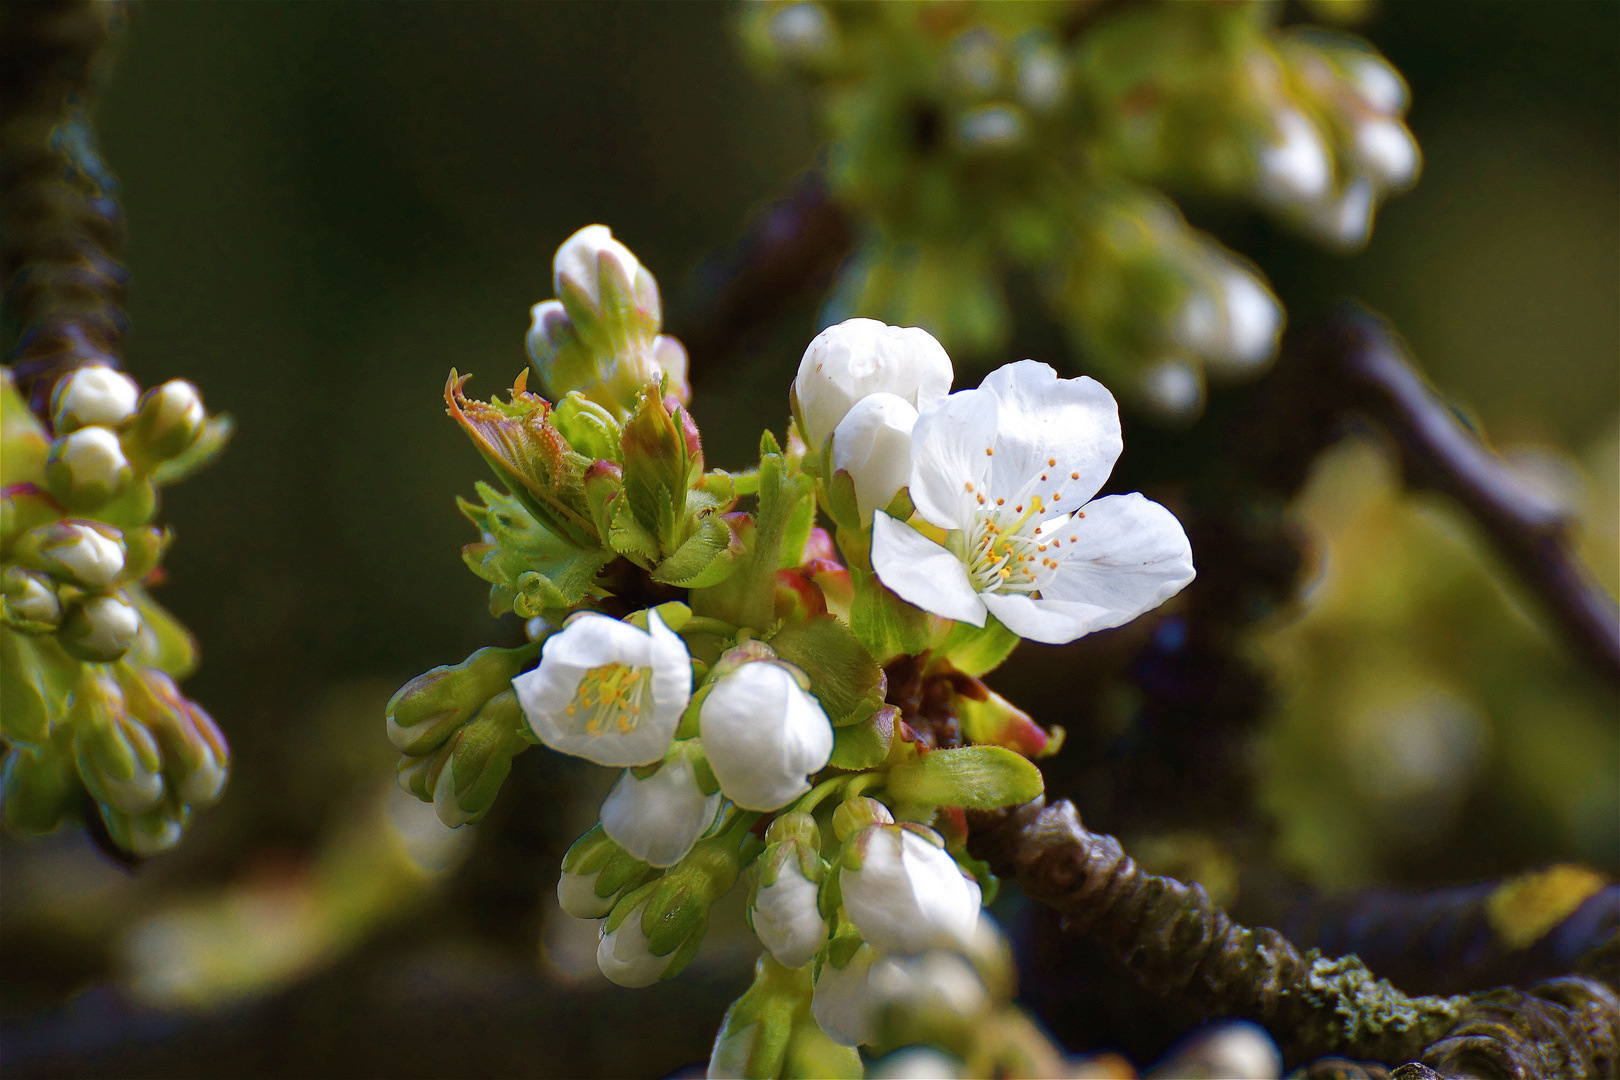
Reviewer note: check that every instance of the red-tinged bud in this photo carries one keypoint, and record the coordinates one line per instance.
(837, 587)
(797, 597)
(996, 721)
(604, 481)
(689, 432)
(819, 545)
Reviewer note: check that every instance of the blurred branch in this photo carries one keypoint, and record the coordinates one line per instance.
(790, 251)
(1176, 941)
(60, 225)
(1362, 361)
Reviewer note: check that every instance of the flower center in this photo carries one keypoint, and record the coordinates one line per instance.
(613, 697)
(1004, 554)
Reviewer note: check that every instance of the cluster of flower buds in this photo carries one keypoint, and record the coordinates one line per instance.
(807, 716)
(90, 703)
(979, 137)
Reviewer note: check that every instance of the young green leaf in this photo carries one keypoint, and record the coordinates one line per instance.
(973, 777)
(843, 676)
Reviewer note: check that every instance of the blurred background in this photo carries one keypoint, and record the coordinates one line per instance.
(331, 205)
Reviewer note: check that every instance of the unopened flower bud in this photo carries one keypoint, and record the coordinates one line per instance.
(1347, 219)
(1232, 322)
(784, 910)
(993, 127)
(170, 418)
(86, 553)
(670, 355)
(1385, 150)
(479, 756)
(595, 873)
(99, 629)
(1378, 84)
(855, 814)
(589, 428)
(425, 711)
(31, 603)
(764, 735)
(195, 755)
(118, 758)
(873, 444)
(623, 955)
(757, 1036)
(659, 818)
(149, 833)
(846, 362)
(904, 892)
(590, 254)
(1173, 389)
(925, 998)
(1228, 1050)
(1295, 168)
(95, 394)
(843, 1004)
(916, 1063)
(87, 468)
(801, 31)
(549, 333)
(656, 930)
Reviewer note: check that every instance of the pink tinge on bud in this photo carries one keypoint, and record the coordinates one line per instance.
(819, 546)
(602, 469)
(797, 597)
(689, 429)
(836, 585)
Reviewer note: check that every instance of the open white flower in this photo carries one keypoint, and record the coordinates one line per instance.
(764, 735)
(907, 895)
(845, 363)
(659, 819)
(1008, 470)
(607, 691)
(873, 444)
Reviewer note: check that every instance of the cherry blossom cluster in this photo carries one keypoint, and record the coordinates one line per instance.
(807, 714)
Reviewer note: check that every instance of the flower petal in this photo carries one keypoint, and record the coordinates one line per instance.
(1067, 429)
(659, 819)
(873, 444)
(950, 467)
(923, 573)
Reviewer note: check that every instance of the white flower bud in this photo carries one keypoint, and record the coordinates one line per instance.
(1377, 84)
(843, 1002)
(873, 444)
(764, 735)
(100, 629)
(905, 893)
(1347, 220)
(548, 329)
(785, 916)
(916, 1063)
(576, 894)
(658, 819)
(1386, 151)
(89, 464)
(30, 598)
(800, 31)
(623, 955)
(578, 260)
(1295, 168)
(1042, 77)
(96, 394)
(993, 127)
(608, 691)
(1229, 1050)
(936, 985)
(83, 553)
(845, 363)
(171, 417)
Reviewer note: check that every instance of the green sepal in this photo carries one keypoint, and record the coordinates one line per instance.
(628, 537)
(884, 623)
(976, 650)
(424, 712)
(843, 676)
(706, 558)
(164, 642)
(748, 597)
(34, 691)
(864, 745)
(589, 428)
(135, 505)
(770, 1006)
(656, 470)
(208, 445)
(972, 777)
(481, 756)
(529, 547)
(40, 784)
(24, 445)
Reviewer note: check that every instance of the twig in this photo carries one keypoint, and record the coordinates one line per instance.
(1358, 355)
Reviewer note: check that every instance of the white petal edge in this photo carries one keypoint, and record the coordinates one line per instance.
(922, 572)
(1042, 419)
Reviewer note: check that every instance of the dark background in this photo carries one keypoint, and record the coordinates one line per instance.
(330, 205)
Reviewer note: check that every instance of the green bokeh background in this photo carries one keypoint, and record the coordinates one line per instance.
(330, 205)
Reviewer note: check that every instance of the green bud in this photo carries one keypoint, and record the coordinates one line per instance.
(426, 710)
(480, 756)
(657, 468)
(39, 785)
(99, 629)
(589, 428)
(196, 759)
(144, 546)
(168, 421)
(23, 508)
(677, 913)
(595, 873)
(87, 469)
(149, 833)
(118, 758)
(31, 602)
(35, 679)
(855, 814)
(754, 1036)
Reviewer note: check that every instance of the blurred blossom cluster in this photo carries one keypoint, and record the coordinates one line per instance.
(975, 139)
(92, 719)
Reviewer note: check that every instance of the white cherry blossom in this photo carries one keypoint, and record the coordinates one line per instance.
(784, 914)
(1008, 471)
(845, 363)
(659, 819)
(908, 895)
(608, 691)
(764, 735)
